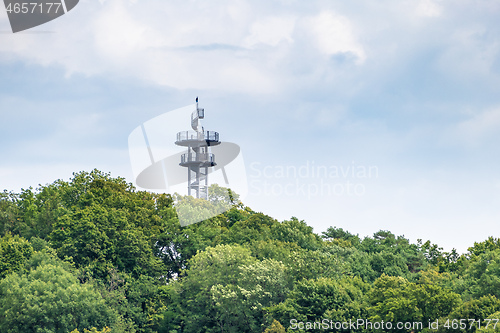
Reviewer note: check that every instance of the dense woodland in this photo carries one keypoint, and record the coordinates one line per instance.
(93, 254)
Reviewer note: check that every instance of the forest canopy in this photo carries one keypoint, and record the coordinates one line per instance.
(94, 254)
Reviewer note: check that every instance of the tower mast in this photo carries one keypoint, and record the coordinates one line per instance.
(198, 157)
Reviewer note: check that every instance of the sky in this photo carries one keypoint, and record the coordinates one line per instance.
(366, 115)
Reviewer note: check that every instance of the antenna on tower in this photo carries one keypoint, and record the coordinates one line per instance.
(198, 157)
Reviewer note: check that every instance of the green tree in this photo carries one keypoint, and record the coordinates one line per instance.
(9, 213)
(353, 261)
(298, 232)
(483, 275)
(395, 299)
(384, 253)
(445, 280)
(452, 262)
(275, 327)
(432, 252)
(489, 244)
(192, 210)
(492, 326)
(316, 299)
(475, 309)
(225, 289)
(144, 301)
(240, 306)
(50, 299)
(106, 223)
(249, 228)
(300, 263)
(93, 330)
(15, 251)
(339, 233)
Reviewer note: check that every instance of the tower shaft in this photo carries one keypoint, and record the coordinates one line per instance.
(198, 157)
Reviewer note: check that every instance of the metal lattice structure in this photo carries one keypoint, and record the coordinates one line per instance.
(198, 157)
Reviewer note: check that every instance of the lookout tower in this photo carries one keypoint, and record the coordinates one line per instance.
(198, 157)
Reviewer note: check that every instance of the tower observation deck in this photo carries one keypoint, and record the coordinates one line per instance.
(198, 157)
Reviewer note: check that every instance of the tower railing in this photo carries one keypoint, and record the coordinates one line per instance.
(197, 136)
(211, 136)
(197, 158)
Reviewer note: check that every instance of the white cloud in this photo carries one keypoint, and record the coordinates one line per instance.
(334, 34)
(476, 129)
(428, 8)
(119, 35)
(471, 50)
(270, 31)
(190, 44)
